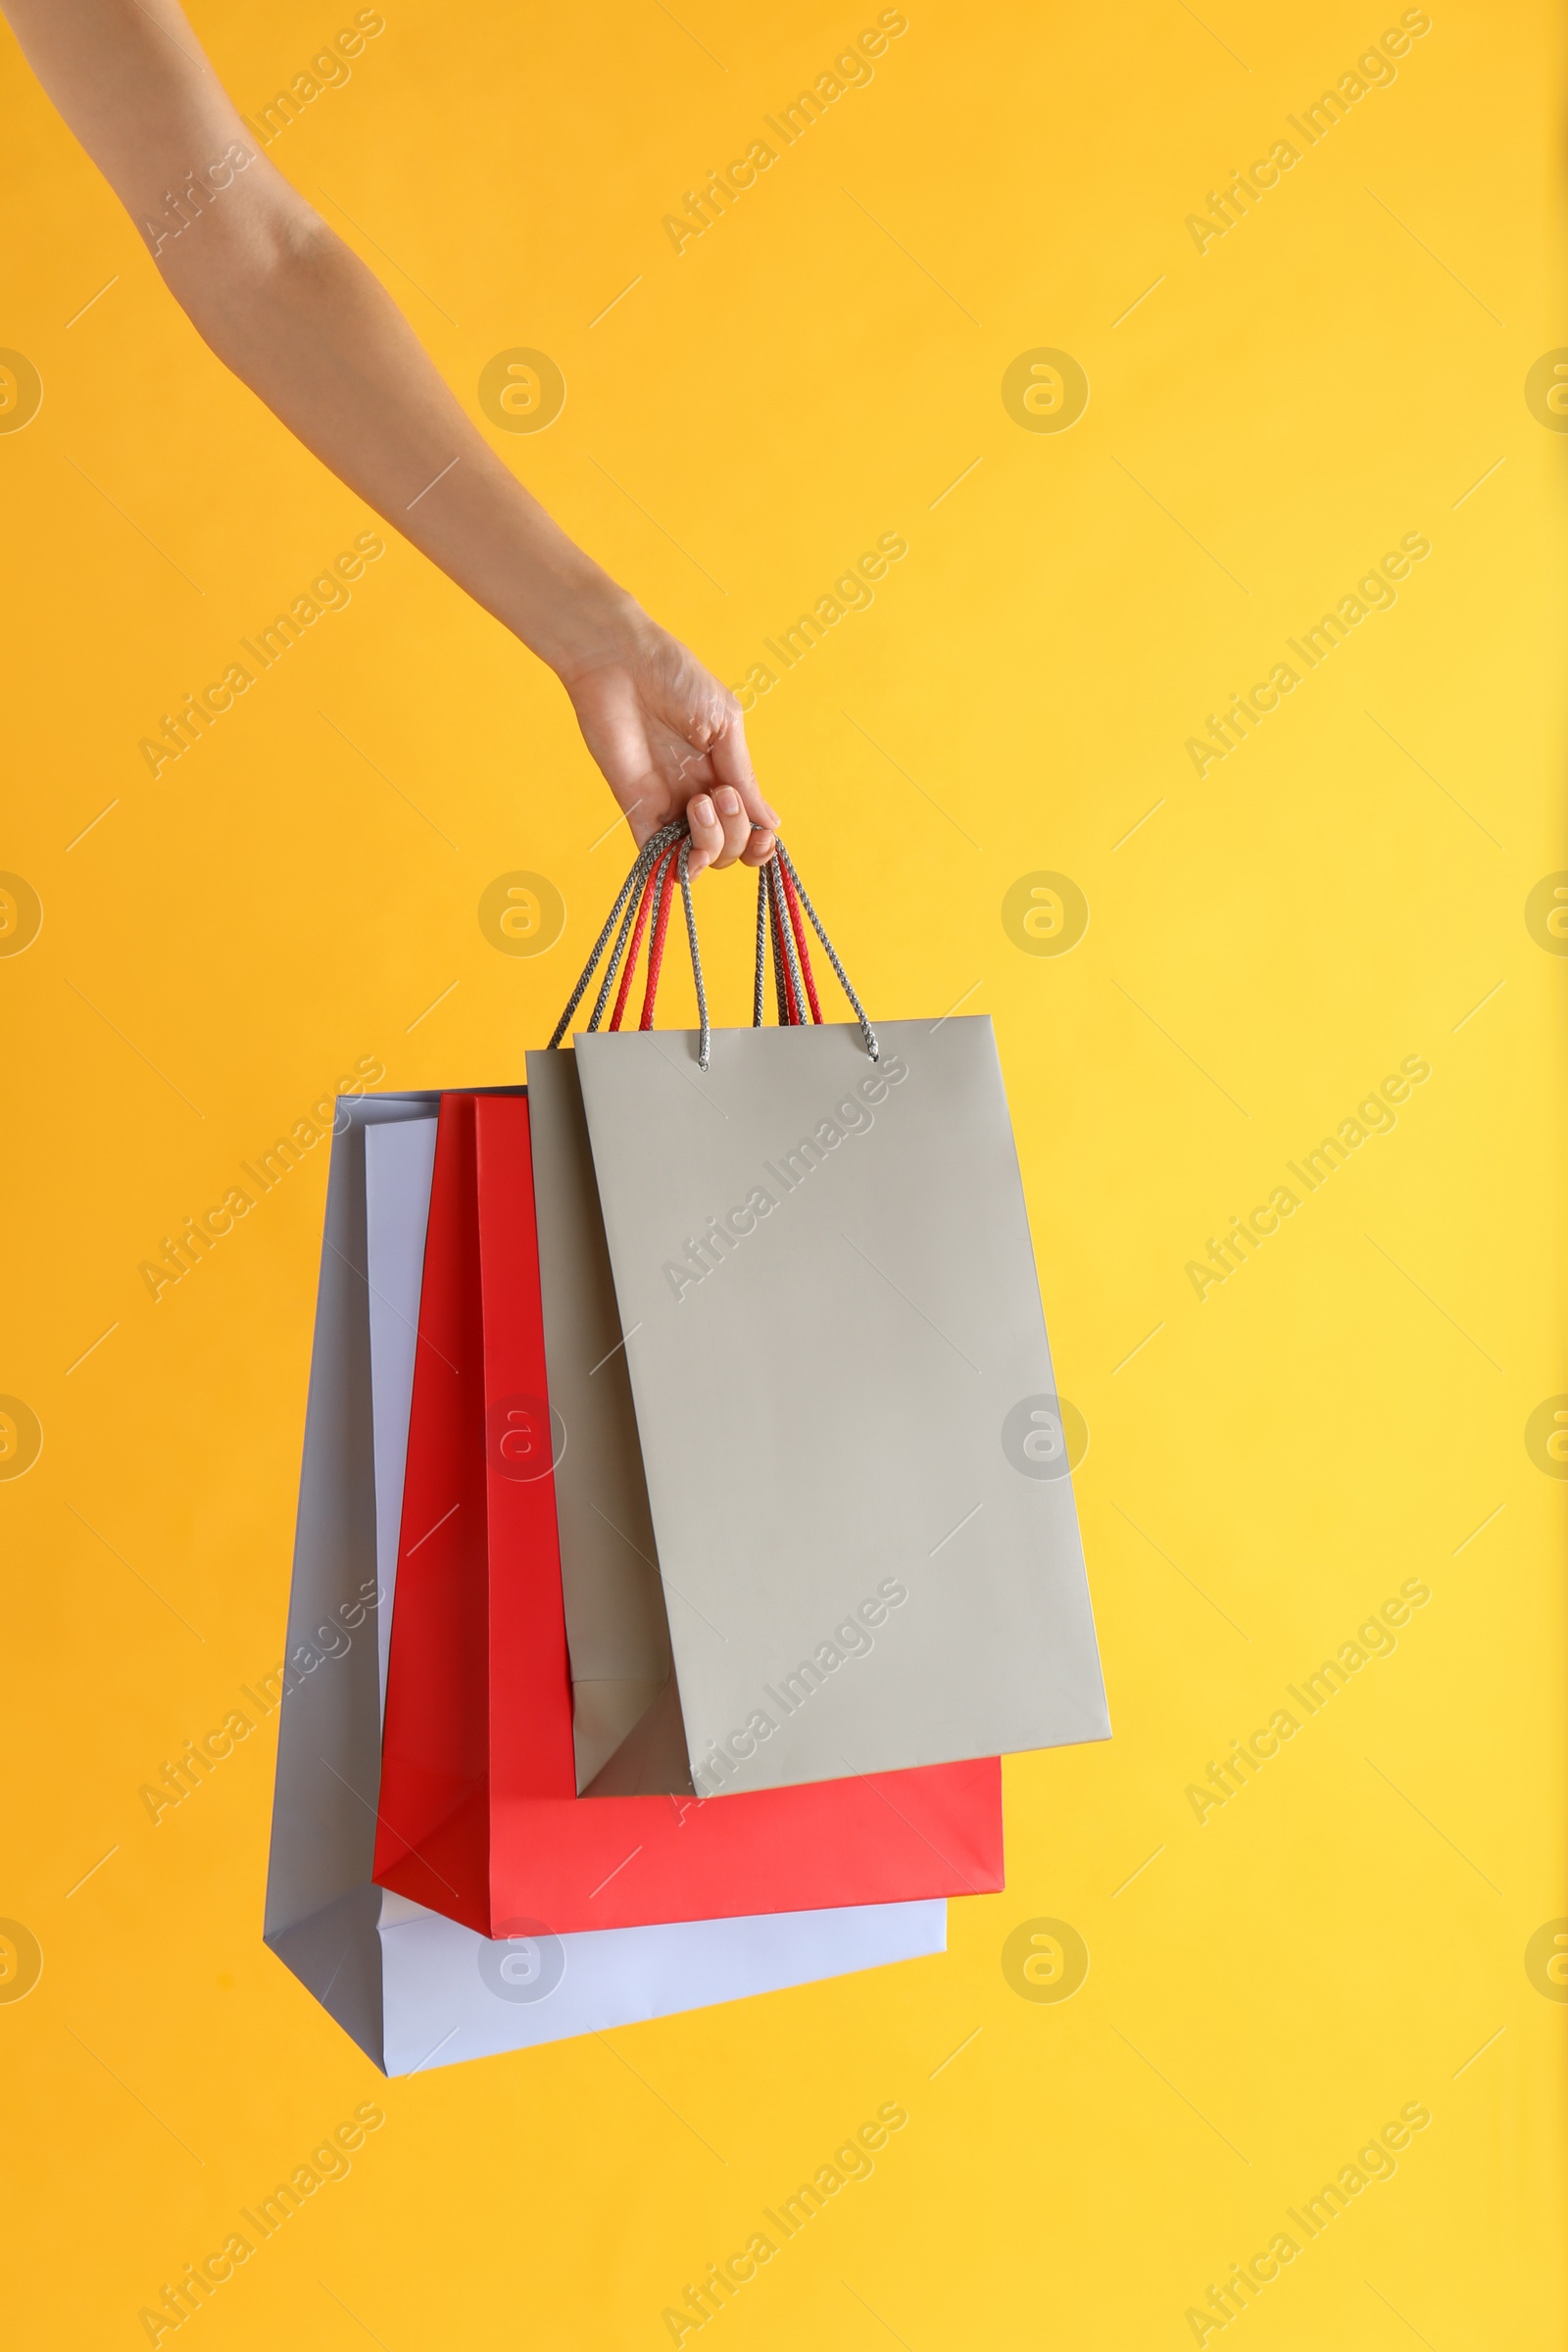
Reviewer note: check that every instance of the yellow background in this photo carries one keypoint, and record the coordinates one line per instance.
(1338, 370)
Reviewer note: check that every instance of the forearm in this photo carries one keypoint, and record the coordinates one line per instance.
(301, 321)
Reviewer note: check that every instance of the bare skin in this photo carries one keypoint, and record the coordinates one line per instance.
(298, 318)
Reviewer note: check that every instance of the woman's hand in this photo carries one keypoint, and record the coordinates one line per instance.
(671, 742)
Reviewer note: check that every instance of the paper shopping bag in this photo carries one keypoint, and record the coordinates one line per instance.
(626, 1724)
(480, 1816)
(843, 1388)
(412, 1988)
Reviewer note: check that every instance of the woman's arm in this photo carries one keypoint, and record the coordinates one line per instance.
(299, 318)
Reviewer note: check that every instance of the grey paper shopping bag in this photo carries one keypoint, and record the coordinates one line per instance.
(412, 1988)
(626, 1722)
(845, 1398)
(846, 1413)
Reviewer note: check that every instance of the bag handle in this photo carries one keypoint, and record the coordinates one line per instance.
(642, 908)
(793, 894)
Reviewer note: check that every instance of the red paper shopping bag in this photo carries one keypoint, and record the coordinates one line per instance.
(479, 1815)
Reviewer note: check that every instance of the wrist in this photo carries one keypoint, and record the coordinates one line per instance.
(590, 621)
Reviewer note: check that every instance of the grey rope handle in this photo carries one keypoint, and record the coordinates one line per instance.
(866, 1030)
(697, 961)
(761, 939)
(770, 914)
(632, 884)
(795, 978)
(769, 892)
(622, 936)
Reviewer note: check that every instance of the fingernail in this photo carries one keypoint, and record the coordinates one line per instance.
(727, 801)
(701, 808)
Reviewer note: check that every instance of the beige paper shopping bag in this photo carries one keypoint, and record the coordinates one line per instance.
(847, 1425)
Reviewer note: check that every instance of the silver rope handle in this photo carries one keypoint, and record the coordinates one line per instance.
(697, 962)
(769, 897)
(866, 1030)
(761, 941)
(629, 889)
(622, 936)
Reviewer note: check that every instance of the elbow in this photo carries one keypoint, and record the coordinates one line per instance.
(244, 252)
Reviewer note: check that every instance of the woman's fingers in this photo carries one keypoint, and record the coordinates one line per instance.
(722, 831)
(732, 765)
(733, 817)
(754, 837)
(707, 833)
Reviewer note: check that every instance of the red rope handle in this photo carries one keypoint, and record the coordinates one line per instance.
(798, 929)
(791, 1014)
(783, 906)
(636, 947)
(656, 945)
(780, 975)
(781, 1003)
